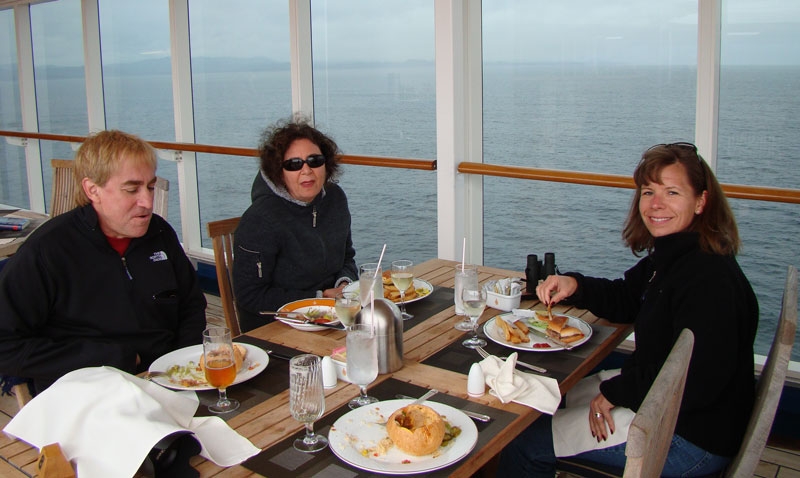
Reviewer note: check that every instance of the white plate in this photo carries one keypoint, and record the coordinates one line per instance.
(305, 306)
(495, 334)
(364, 427)
(424, 289)
(254, 363)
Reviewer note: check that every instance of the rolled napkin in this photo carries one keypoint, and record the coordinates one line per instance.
(510, 385)
(106, 421)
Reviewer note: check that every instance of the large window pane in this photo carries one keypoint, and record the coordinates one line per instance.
(241, 82)
(759, 142)
(137, 78)
(14, 180)
(374, 93)
(60, 85)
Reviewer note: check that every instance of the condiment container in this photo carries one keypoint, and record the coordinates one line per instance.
(476, 383)
(328, 372)
(388, 325)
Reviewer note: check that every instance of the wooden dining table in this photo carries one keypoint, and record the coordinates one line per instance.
(433, 357)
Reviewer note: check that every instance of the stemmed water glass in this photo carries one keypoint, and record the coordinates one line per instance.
(403, 278)
(466, 276)
(474, 302)
(219, 366)
(362, 361)
(307, 399)
(347, 305)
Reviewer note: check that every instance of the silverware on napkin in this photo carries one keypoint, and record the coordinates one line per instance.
(475, 416)
(483, 353)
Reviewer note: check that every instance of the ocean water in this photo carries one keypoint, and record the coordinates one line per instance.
(587, 118)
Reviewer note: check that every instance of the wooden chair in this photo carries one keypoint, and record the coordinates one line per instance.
(221, 233)
(770, 384)
(63, 197)
(161, 197)
(651, 431)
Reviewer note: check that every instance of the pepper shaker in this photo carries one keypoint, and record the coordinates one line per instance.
(328, 372)
(476, 383)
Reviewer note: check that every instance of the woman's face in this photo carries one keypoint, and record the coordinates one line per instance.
(305, 184)
(669, 207)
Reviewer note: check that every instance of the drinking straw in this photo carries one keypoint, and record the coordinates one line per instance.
(463, 252)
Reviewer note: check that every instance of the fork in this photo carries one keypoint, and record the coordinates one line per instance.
(483, 353)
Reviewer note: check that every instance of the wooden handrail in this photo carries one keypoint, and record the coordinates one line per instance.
(738, 191)
(386, 162)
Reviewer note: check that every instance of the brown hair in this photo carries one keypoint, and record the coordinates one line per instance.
(100, 155)
(277, 139)
(715, 224)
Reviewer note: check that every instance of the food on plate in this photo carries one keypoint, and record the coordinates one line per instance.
(521, 326)
(320, 315)
(189, 375)
(239, 353)
(416, 429)
(558, 329)
(511, 333)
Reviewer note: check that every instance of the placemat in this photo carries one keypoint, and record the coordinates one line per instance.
(272, 381)
(440, 299)
(283, 460)
(457, 358)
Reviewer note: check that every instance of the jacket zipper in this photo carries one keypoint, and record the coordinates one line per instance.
(314, 214)
(258, 261)
(125, 266)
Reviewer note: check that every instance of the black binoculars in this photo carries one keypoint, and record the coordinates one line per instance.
(536, 270)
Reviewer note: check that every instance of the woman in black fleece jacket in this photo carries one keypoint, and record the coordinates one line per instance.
(689, 279)
(294, 241)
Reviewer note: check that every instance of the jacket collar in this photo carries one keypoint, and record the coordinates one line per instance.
(283, 193)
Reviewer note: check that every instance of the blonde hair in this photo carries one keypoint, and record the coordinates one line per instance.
(101, 154)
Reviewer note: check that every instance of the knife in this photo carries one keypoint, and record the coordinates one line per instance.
(475, 416)
(305, 322)
(552, 340)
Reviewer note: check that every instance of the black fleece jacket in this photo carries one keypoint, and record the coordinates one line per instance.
(287, 250)
(68, 300)
(679, 286)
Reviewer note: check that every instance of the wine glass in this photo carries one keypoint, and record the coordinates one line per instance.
(474, 302)
(220, 366)
(403, 278)
(307, 399)
(466, 276)
(362, 361)
(347, 305)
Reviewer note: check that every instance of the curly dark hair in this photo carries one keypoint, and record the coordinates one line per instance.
(716, 224)
(276, 139)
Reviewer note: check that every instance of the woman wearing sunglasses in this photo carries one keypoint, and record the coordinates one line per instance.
(294, 241)
(689, 279)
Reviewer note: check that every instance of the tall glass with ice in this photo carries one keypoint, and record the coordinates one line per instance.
(466, 276)
(369, 274)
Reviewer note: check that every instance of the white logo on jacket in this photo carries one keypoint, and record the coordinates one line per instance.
(158, 256)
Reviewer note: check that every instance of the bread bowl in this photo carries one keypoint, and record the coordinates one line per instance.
(416, 429)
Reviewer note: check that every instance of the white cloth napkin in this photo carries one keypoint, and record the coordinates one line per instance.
(510, 385)
(571, 432)
(106, 421)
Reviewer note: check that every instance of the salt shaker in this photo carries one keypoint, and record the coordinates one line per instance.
(328, 372)
(476, 384)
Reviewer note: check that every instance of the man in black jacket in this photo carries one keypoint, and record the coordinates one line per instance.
(107, 283)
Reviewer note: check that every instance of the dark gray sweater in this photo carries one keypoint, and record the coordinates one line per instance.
(287, 250)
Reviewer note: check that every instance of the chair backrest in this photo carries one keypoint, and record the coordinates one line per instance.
(161, 197)
(221, 233)
(63, 197)
(770, 384)
(651, 430)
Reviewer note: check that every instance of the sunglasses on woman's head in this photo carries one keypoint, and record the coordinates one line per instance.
(296, 164)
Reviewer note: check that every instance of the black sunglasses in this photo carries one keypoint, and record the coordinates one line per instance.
(296, 164)
(680, 145)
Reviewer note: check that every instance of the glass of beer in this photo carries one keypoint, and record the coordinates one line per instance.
(220, 366)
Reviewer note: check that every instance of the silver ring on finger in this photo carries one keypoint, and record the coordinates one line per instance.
(598, 415)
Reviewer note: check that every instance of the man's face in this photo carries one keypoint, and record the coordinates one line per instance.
(124, 204)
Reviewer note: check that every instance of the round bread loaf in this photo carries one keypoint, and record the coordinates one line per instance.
(239, 353)
(416, 429)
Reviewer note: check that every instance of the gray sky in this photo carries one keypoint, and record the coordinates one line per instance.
(627, 31)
